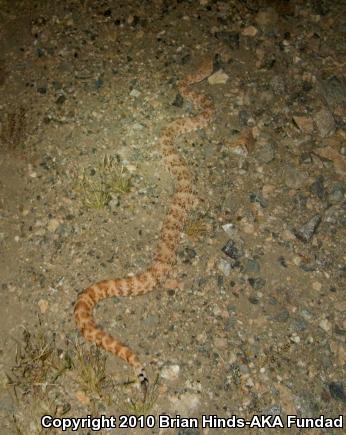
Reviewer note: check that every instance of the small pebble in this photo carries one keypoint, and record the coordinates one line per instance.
(224, 266)
(43, 305)
(304, 123)
(171, 372)
(249, 31)
(52, 225)
(218, 78)
(306, 231)
(325, 324)
(325, 123)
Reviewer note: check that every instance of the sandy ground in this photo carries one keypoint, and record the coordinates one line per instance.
(252, 319)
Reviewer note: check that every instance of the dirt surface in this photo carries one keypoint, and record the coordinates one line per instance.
(252, 319)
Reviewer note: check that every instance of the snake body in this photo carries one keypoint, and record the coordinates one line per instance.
(165, 253)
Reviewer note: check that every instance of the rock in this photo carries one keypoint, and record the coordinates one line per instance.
(278, 85)
(114, 203)
(224, 266)
(316, 285)
(231, 250)
(170, 372)
(306, 231)
(218, 78)
(293, 178)
(43, 305)
(252, 266)
(253, 300)
(52, 225)
(305, 158)
(257, 283)
(178, 101)
(221, 343)
(138, 126)
(306, 314)
(330, 153)
(299, 324)
(300, 200)
(248, 227)
(304, 123)
(98, 83)
(337, 391)
(335, 214)
(42, 90)
(282, 316)
(202, 337)
(282, 261)
(287, 235)
(317, 187)
(256, 197)
(60, 100)
(295, 338)
(249, 31)
(334, 90)
(325, 324)
(187, 254)
(268, 190)
(325, 122)
(265, 152)
(135, 93)
(229, 229)
(336, 194)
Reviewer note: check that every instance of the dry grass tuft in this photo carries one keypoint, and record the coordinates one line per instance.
(196, 228)
(108, 181)
(90, 370)
(38, 364)
(43, 376)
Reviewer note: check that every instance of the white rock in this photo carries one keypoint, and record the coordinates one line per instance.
(304, 123)
(229, 229)
(218, 78)
(295, 338)
(224, 267)
(134, 93)
(325, 325)
(171, 372)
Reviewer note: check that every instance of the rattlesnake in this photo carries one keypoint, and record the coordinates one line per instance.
(165, 254)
